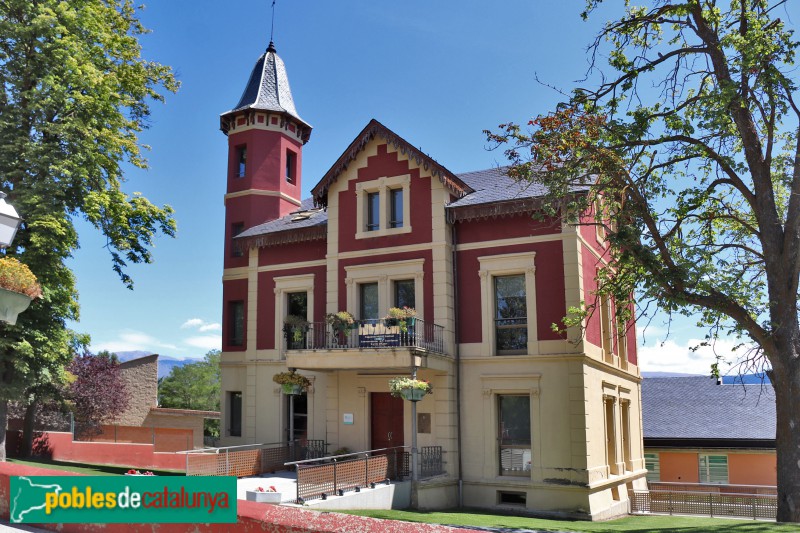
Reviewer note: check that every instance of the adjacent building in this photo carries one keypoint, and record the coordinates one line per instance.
(527, 417)
(725, 433)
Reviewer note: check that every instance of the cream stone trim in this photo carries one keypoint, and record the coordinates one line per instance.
(388, 250)
(492, 266)
(261, 192)
(382, 186)
(285, 285)
(493, 385)
(235, 273)
(292, 266)
(384, 274)
(480, 245)
(252, 302)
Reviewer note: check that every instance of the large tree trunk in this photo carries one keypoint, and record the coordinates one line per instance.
(27, 428)
(786, 381)
(3, 424)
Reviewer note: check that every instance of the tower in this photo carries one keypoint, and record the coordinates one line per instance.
(265, 152)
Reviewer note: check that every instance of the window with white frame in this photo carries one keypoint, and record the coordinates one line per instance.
(508, 301)
(383, 207)
(294, 295)
(713, 468)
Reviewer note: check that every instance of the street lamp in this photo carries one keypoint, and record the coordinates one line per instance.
(9, 221)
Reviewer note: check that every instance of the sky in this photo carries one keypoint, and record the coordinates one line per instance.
(437, 73)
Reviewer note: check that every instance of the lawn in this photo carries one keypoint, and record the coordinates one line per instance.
(86, 469)
(633, 524)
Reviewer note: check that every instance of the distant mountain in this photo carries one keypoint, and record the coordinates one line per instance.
(747, 379)
(165, 362)
(666, 375)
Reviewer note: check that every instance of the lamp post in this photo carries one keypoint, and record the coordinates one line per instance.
(9, 221)
(414, 432)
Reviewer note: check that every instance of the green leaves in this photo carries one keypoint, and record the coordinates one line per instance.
(75, 94)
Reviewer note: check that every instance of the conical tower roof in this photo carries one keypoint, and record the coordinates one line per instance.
(268, 88)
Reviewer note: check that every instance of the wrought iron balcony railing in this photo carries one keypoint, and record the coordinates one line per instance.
(367, 334)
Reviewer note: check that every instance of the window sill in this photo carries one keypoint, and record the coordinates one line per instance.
(383, 232)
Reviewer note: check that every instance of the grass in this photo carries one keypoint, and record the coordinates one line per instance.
(87, 469)
(631, 524)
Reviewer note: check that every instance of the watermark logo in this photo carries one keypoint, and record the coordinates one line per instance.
(129, 499)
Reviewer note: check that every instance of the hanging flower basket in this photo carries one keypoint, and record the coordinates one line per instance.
(18, 287)
(293, 390)
(409, 388)
(292, 382)
(12, 304)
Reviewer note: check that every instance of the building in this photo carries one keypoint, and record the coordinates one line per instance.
(526, 418)
(725, 432)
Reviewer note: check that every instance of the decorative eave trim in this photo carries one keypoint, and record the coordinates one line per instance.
(287, 236)
(376, 129)
(493, 209)
(229, 117)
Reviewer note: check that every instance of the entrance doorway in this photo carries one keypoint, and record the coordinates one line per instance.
(386, 413)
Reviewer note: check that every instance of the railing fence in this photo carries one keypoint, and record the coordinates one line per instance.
(741, 501)
(250, 460)
(333, 476)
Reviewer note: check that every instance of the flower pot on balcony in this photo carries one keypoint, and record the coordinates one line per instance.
(413, 395)
(264, 497)
(290, 389)
(12, 304)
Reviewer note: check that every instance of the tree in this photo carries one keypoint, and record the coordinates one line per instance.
(689, 148)
(96, 391)
(194, 386)
(75, 94)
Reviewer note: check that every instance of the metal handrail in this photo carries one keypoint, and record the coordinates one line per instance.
(334, 457)
(226, 448)
(366, 334)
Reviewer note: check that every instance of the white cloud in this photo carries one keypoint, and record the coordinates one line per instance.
(201, 325)
(670, 356)
(192, 323)
(130, 340)
(206, 342)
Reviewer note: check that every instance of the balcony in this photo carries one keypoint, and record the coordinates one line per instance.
(381, 344)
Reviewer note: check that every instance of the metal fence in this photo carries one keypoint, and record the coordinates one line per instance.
(252, 459)
(715, 503)
(333, 476)
(376, 334)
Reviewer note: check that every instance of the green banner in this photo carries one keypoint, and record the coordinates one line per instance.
(122, 499)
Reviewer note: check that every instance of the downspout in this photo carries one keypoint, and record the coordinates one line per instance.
(458, 365)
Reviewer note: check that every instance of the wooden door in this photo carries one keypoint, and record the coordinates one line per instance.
(386, 428)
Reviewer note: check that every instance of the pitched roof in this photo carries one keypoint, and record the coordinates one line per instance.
(304, 224)
(694, 408)
(376, 129)
(268, 88)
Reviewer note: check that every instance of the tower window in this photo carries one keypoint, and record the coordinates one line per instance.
(236, 229)
(291, 166)
(241, 161)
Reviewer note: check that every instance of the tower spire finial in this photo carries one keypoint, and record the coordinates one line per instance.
(272, 29)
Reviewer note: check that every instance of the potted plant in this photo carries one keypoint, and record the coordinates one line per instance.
(133, 472)
(264, 495)
(292, 382)
(18, 287)
(401, 316)
(341, 322)
(410, 388)
(295, 329)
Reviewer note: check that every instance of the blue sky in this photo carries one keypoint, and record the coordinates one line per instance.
(437, 73)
